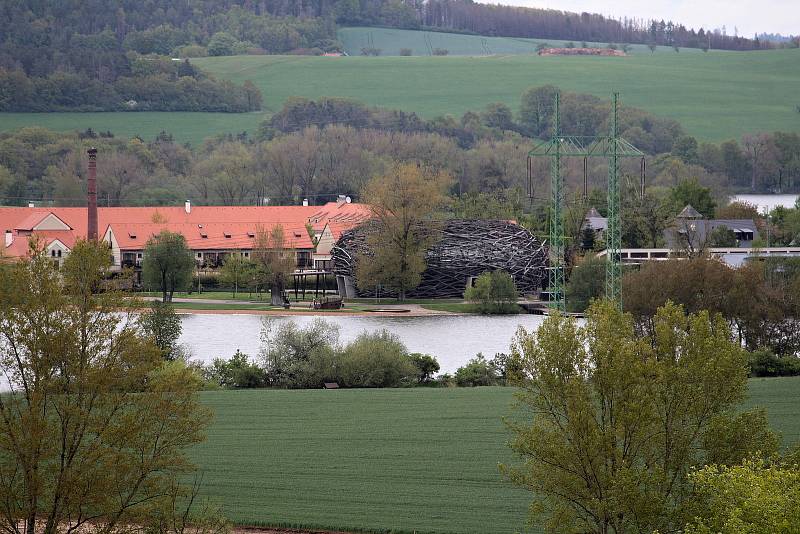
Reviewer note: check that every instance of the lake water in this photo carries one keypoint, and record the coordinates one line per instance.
(767, 202)
(452, 339)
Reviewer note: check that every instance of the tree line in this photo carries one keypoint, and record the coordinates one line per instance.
(317, 149)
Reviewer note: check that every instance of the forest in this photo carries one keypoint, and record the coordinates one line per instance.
(317, 149)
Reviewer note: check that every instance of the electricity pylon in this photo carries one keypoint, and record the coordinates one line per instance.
(611, 147)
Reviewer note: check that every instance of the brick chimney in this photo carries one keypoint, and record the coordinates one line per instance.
(91, 190)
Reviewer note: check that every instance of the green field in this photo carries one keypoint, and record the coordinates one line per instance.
(421, 460)
(422, 43)
(185, 126)
(716, 95)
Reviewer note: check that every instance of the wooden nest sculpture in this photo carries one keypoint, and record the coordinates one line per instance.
(462, 250)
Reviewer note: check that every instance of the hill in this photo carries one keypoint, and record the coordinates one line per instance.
(422, 460)
(421, 43)
(716, 95)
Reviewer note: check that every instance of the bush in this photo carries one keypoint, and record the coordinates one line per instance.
(494, 293)
(236, 373)
(405, 52)
(376, 360)
(163, 326)
(764, 362)
(478, 372)
(440, 51)
(586, 282)
(426, 366)
(371, 51)
(299, 357)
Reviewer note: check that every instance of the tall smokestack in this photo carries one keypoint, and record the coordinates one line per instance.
(91, 189)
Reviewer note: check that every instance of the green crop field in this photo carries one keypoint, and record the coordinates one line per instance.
(185, 126)
(716, 95)
(422, 43)
(405, 460)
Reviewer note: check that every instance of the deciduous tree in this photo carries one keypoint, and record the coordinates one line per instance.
(404, 204)
(95, 427)
(274, 261)
(612, 423)
(167, 263)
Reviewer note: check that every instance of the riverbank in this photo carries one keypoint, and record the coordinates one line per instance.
(225, 303)
(411, 310)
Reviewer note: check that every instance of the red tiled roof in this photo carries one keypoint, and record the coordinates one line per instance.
(217, 221)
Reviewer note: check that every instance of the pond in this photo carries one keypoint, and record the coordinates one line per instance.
(452, 339)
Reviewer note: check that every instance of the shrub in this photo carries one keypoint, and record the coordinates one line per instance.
(299, 357)
(163, 326)
(494, 293)
(764, 362)
(376, 360)
(236, 373)
(405, 52)
(371, 51)
(440, 51)
(477, 372)
(586, 282)
(426, 366)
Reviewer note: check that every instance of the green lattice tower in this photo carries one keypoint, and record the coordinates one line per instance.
(556, 278)
(614, 230)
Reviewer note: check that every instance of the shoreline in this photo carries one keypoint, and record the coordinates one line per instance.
(421, 312)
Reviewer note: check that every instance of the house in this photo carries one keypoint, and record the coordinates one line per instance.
(690, 230)
(211, 232)
(596, 222)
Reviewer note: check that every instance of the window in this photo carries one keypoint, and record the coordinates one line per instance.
(59, 253)
(199, 255)
(53, 253)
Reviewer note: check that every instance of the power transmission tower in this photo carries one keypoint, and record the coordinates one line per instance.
(612, 148)
(614, 229)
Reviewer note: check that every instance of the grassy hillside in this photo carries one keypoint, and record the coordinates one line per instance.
(391, 40)
(185, 126)
(716, 95)
(421, 460)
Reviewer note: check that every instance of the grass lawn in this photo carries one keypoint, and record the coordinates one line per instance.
(405, 460)
(716, 95)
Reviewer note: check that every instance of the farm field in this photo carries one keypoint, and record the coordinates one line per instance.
(422, 460)
(192, 127)
(716, 95)
(422, 43)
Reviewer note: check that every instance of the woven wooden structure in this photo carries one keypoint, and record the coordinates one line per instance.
(463, 249)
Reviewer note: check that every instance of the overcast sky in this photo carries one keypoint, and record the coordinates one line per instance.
(750, 16)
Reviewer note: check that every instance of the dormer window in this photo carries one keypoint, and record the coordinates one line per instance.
(132, 235)
(227, 235)
(251, 234)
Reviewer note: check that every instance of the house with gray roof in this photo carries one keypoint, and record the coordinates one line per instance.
(691, 231)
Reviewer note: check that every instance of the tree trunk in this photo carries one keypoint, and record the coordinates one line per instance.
(276, 294)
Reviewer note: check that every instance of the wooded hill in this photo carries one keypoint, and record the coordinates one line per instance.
(54, 55)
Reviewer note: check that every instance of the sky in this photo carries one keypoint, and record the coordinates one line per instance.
(749, 16)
